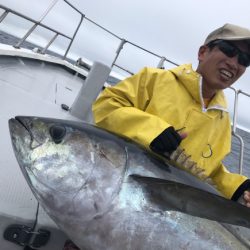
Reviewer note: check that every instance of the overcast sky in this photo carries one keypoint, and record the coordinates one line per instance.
(171, 28)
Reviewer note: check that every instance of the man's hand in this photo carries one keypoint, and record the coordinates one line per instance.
(183, 135)
(168, 141)
(246, 198)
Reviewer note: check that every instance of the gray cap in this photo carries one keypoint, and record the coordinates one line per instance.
(229, 32)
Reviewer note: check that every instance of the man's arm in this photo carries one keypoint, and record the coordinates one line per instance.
(234, 186)
(121, 109)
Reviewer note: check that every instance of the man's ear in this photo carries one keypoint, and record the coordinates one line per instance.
(202, 52)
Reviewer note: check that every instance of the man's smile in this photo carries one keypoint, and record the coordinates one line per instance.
(226, 74)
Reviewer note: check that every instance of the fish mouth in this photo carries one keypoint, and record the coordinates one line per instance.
(21, 125)
(21, 138)
(23, 122)
(17, 127)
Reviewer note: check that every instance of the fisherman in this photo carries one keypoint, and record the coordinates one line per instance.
(182, 112)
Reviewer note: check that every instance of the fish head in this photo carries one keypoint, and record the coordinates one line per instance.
(70, 170)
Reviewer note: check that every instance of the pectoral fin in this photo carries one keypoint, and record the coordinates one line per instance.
(169, 195)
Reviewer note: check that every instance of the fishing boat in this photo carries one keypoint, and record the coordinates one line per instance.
(35, 80)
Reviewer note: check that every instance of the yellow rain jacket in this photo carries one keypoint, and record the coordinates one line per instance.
(143, 106)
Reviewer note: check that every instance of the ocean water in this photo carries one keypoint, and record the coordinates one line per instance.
(231, 161)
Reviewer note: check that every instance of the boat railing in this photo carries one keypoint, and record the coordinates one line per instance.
(37, 23)
(237, 93)
(57, 33)
(123, 42)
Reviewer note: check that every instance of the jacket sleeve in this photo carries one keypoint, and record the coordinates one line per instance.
(231, 185)
(121, 109)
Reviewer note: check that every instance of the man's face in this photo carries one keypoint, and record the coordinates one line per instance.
(217, 69)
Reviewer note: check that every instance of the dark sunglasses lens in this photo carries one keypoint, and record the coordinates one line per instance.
(231, 51)
(228, 49)
(244, 59)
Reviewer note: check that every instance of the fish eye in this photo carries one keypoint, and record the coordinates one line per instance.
(57, 133)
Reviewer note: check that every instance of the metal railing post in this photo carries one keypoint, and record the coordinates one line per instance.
(18, 45)
(70, 44)
(235, 115)
(161, 63)
(50, 42)
(120, 47)
(5, 13)
(235, 108)
(241, 151)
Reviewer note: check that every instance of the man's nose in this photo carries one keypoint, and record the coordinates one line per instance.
(233, 61)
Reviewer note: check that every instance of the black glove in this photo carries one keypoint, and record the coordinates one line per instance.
(166, 142)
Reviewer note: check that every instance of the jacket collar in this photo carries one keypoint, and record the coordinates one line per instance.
(193, 83)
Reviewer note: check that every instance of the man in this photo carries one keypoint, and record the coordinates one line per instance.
(182, 112)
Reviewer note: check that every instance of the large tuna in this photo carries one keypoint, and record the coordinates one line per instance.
(108, 193)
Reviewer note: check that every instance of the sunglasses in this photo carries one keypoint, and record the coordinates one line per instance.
(231, 50)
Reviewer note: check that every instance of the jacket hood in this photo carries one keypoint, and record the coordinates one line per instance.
(193, 83)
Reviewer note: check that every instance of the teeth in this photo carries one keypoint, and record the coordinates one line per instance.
(226, 73)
